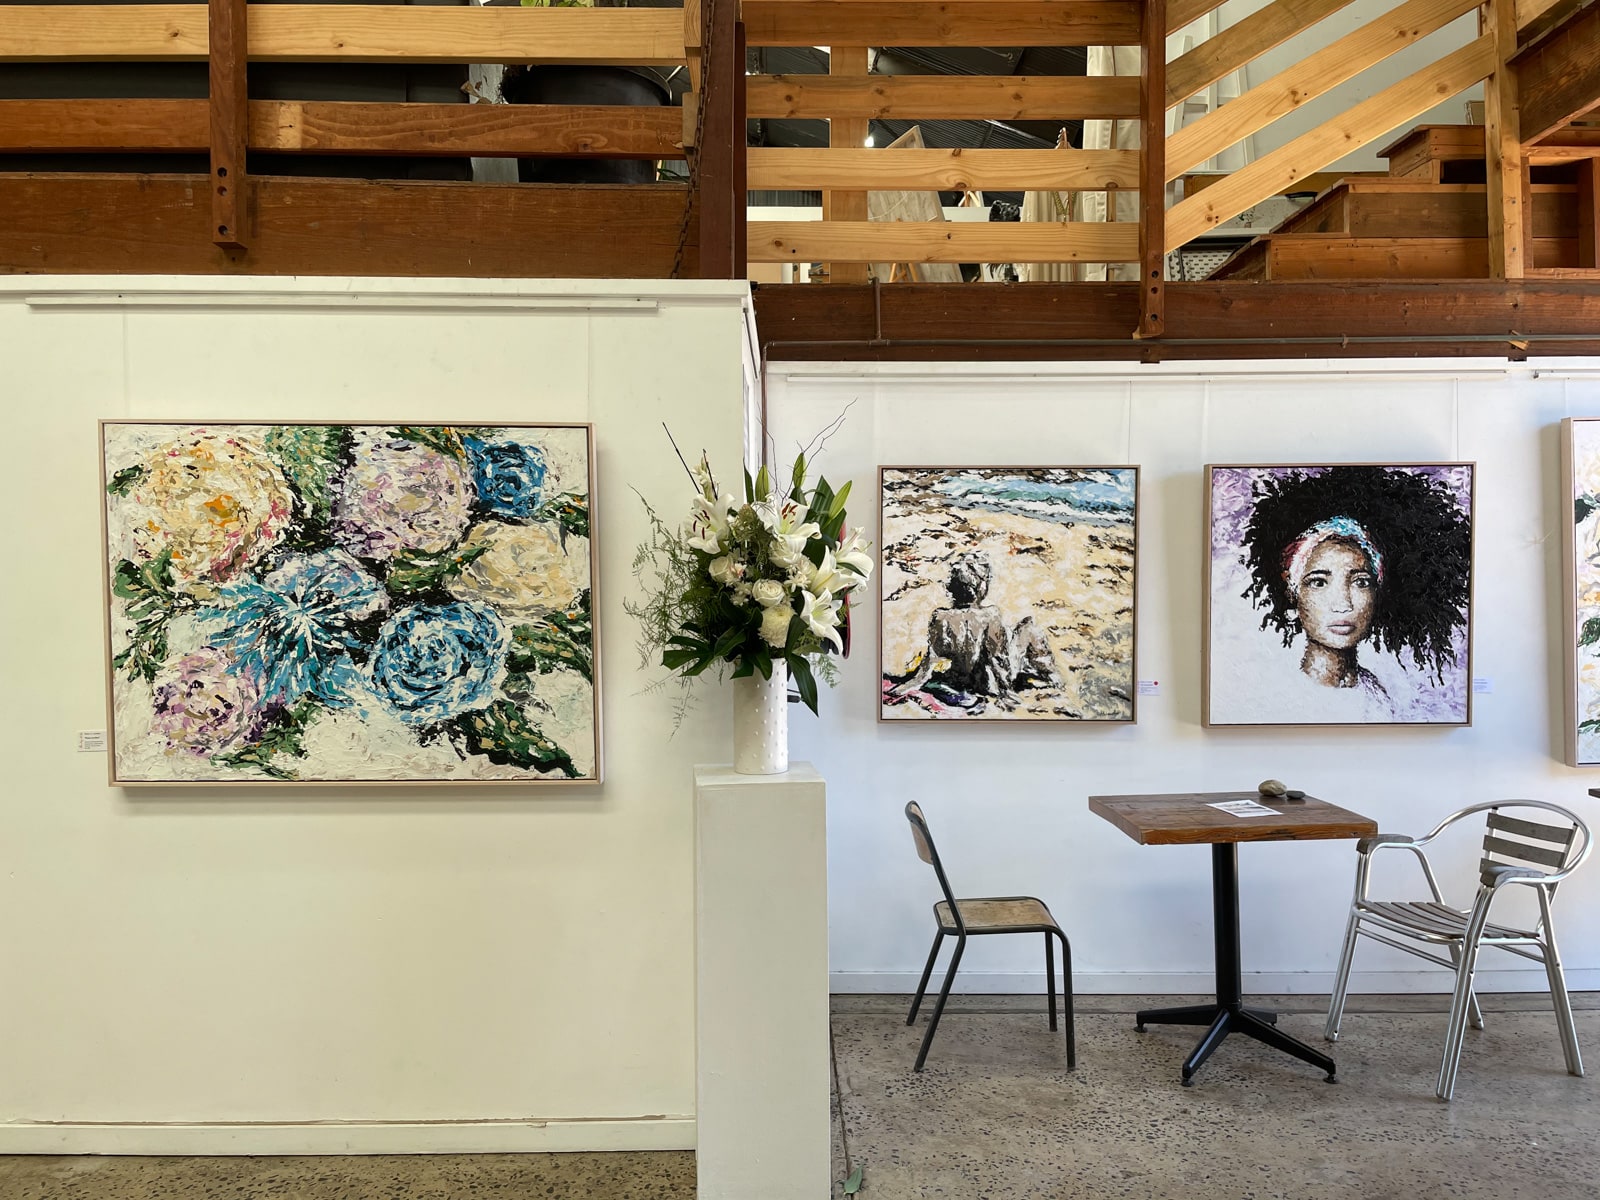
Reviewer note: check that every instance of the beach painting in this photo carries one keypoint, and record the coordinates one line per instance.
(321, 603)
(1008, 593)
(1339, 595)
(1580, 559)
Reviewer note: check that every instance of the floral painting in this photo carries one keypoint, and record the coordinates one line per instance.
(1339, 595)
(321, 603)
(1008, 593)
(1580, 555)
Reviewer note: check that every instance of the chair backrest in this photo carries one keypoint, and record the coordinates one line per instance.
(1550, 847)
(929, 853)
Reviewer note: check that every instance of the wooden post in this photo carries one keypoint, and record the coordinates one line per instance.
(722, 74)
(1502, 141)
(1589, 213)
(230, 115)
(846, 132)
(1152, 172)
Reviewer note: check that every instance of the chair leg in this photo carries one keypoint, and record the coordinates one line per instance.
(1066, 1002)
(1561, 1001)
(1341, 977)
(1455, 1031)
(1474, 1013)
(938, 1006)
(1050, 977)
(927, 971)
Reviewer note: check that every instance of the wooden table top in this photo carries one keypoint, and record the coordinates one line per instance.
(1184, 818)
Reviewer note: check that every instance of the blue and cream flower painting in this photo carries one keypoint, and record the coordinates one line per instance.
(327, 603)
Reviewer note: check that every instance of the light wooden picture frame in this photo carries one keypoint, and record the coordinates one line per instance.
(1338, 594)
(1580, 589)
(1008, 594)
(357, 603)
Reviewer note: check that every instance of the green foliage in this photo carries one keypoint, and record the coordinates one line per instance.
(310, 456)
(415, 571)
(443, 438)
(152, 603)
(124, 480)
(1583, 506)
(1589, 726)
(570, 511)
(282, 737)
(504, 735)
(1589, 634)
(550, 645)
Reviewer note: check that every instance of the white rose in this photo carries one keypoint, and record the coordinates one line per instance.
(726, 570)
(783, 555)
(768, 592)
(775, 625)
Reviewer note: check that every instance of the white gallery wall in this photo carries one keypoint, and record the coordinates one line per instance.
(277, 971)
(1007, 805)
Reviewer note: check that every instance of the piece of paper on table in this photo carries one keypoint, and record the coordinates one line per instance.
(1245, 808)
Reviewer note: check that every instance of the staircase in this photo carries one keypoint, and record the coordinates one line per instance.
(1426, 219)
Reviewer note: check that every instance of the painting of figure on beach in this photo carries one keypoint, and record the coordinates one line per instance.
(1580, 558)
(316, 603)
(1339, 595)
(1008, 593)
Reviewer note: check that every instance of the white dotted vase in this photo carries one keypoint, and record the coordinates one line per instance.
(761, 723)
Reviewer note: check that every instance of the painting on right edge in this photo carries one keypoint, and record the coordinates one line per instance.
(1580, 561)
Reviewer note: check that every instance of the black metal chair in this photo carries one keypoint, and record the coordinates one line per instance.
(962, 919)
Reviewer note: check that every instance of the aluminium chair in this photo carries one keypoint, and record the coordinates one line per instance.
(980, 917)
(1540, 854)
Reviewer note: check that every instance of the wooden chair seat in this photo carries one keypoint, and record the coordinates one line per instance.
(997, 914)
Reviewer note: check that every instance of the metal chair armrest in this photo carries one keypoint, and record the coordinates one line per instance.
(1368, 846)
(1379, 840)
(1495, 874)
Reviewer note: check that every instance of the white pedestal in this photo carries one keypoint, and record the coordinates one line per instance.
(761, 985)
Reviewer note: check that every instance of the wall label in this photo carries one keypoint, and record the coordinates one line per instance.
(91, 741)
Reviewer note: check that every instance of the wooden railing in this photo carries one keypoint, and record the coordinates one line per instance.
(406, 227)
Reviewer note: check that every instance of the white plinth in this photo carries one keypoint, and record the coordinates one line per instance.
(761, 985)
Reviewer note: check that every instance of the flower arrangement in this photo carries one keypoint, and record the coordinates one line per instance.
(752, 584)
(340, 601)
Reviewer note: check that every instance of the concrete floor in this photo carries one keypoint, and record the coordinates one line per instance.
(995, 1116)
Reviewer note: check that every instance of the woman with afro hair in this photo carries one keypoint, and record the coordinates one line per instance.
(1351, 554)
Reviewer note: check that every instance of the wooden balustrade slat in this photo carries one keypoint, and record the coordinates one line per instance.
(1184, 12)
(1502, 162)
(947, 23)
(1239, 44)
(347, 33)
(781, 168)
(944, 97)
(1330, 141)
(845, 134)
(337, 127)
(1153, 172)
(942, 241)
(1314, 76)
(230, 116)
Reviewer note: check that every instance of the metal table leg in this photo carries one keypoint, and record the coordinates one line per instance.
(1229, 1014)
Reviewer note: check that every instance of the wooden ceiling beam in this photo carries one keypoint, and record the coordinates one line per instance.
(1086, 321)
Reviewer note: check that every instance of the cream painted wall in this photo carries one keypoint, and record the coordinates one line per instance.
(517, 966)
(1008, 804)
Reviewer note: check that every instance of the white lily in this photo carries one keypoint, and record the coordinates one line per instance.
(828, 579)
(708, 523)
(821, 615)
(853, 554)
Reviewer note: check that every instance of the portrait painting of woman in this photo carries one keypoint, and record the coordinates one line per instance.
(1339, 595)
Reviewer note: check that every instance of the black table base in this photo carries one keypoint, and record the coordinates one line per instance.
(1229, 1014)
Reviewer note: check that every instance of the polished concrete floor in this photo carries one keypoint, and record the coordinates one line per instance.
(996, 1116)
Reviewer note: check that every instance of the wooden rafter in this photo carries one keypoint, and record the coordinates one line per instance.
(1242, 43)
(942, 22)
(782, 168)
(1349, 131)
(1315, 75)
(943, 241)
(347, 33)
(943, 97)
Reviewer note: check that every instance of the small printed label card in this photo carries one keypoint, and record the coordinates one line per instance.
(1245, 808)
